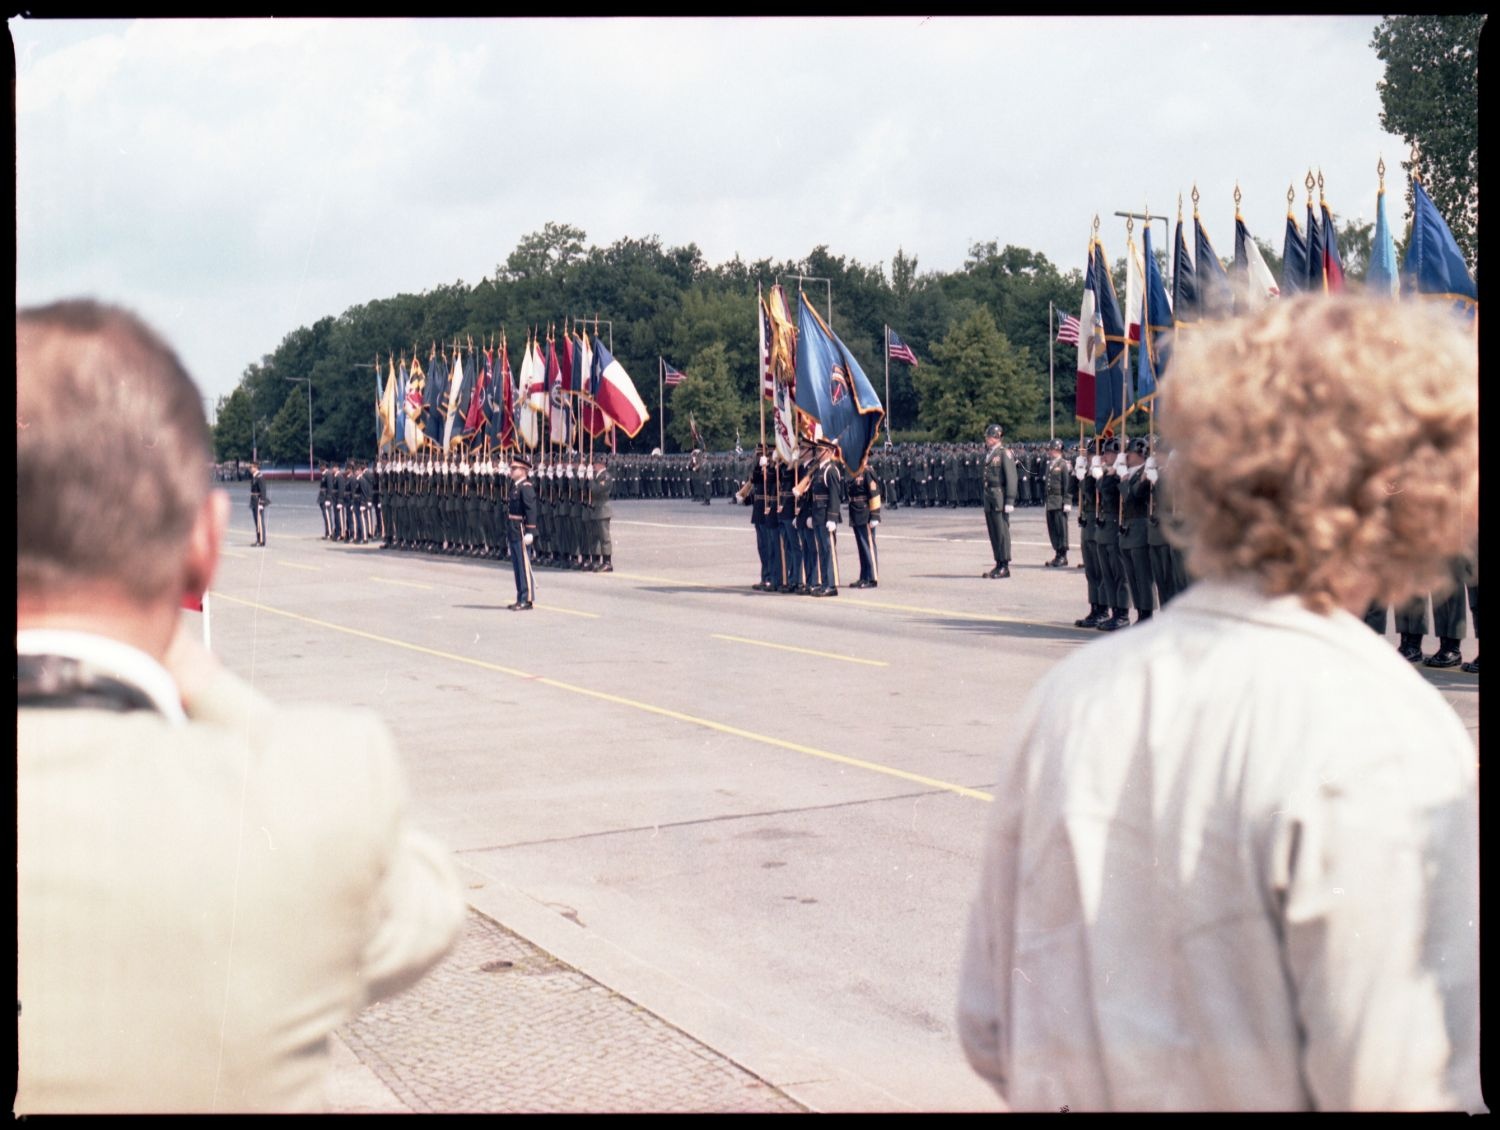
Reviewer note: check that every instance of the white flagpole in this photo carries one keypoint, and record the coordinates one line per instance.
(661, 395)
(1051, 374)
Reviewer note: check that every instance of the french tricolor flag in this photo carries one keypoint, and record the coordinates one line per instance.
(615, 392)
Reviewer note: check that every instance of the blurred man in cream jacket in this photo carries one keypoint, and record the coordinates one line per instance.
(208, 885)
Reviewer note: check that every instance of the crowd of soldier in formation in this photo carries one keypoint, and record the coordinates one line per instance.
(913, 474)
(455, 504)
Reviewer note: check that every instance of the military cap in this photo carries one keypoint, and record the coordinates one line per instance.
(1141, 446)
(1055, 445)
(994, 431)
(520, 460)
(1111, 446)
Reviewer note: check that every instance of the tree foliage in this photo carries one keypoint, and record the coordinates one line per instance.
(976, 378)
(1429, 96)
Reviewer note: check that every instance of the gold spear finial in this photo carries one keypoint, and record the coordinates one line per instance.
(1291, 196)
(1195, 198)
(1380, 170)
(1236, 196)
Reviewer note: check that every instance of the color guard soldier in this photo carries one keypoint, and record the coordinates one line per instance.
(754, 491)
(864, 520)
(1116, 589)
(1135, 506)
(599, 483)
(325, 493)
(787, 540)
(1163, 575)
(1088, 470)
(521, 530)
(826, 491)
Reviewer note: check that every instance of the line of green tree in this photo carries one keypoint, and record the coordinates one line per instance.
(981, 334)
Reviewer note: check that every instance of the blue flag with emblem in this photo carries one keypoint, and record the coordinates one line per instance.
(1293, 257)
(834, 391)
(1434, 264)
(1155, 349)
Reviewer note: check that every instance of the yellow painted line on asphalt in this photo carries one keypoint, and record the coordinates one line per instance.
(408, 584)
(619, 700)
(569, 611)
(231, 553)
(989, 616)
(294, 565)
(803, 650)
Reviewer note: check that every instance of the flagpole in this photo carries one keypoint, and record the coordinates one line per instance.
(1125, 368)
(1051, 376)
(661, 398)
(760, 358)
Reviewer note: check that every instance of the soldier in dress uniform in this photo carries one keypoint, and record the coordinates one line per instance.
(325, 480)
(999, 498)
(259, 500)
(1163, 575)
(754, 491)
(788, 546)
(864, 520)
(1088, 470)
(1059, 484)
(600, 513)
(826, 492)
(1116, 588)
(521, 530)
(1135, 506)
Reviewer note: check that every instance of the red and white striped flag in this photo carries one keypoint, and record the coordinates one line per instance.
(1067, 331)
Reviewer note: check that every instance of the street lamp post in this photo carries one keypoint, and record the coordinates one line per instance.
(308, 382)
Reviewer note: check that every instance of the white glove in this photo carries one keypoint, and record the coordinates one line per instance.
(1067, 508)
(527, 538)
(764, 462)
(1097, 472)
(589, 473)
(1150, 462)
(1008, 508)
(1151, 473)
(1080, 471)
(831, 525)
(874, 522)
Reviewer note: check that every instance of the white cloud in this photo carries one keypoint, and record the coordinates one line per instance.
(236, 179)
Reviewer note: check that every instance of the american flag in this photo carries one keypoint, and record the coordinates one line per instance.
(899, 350)
(767, 380)
(673, 376)
(1067, 332)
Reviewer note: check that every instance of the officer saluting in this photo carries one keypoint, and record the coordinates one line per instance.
(522, 529)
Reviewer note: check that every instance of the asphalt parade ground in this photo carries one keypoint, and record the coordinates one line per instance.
(719, 845)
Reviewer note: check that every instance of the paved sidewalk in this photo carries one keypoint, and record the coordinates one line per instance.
(501, 1026)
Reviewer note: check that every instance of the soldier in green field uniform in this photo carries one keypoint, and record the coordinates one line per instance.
(999, 498)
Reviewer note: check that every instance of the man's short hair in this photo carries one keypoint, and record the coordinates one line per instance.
(1324, 444)
(112, 450)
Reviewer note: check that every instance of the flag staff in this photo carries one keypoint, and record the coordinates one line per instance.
(1125, 368)
(761, 360)
(813, 278)
(1051, 375)
(661, 399)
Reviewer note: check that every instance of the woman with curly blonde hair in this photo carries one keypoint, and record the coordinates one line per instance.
(1240, 872)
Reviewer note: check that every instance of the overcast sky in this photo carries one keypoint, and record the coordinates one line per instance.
(232, 180)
